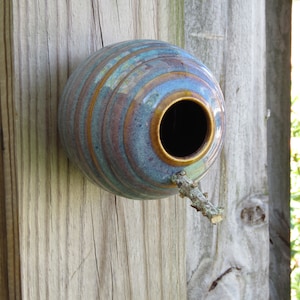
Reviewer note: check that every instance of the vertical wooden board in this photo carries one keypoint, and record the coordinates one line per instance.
(278, 46)
(78, 241)
(4, 290)
(231, 260)
(9, 233)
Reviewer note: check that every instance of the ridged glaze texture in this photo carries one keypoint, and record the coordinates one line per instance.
(106, 110)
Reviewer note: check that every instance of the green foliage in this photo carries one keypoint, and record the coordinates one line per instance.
(295, 200)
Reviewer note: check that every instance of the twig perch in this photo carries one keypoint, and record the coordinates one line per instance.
(189, 189)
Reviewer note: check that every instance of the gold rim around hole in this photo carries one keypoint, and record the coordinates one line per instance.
(155, 129)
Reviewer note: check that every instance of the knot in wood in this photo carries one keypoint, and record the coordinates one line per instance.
(253, 215)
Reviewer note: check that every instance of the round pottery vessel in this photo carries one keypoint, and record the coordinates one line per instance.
(135, 113)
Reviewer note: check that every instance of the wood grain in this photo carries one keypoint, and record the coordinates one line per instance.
(231, 260)
(278, 68)
(9, 231)
(77, 241)
(80, 242)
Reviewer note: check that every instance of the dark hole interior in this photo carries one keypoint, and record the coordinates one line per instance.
(183, 128)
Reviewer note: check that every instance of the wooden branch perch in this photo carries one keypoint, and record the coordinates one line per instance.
(190, 189)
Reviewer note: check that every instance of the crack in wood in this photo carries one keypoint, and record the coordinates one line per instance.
(79, 266)
(215, 282)
(95, 250)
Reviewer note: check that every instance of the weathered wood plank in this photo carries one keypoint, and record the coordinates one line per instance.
(231, 260)
(77, 241)
(278, 69)
(9, 232)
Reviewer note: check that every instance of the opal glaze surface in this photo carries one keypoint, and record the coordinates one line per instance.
(113, 110)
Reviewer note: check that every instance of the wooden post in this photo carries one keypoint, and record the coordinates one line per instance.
(61, 237)
(76, 240)
(231, 261)
(278, 69)
(9, 224)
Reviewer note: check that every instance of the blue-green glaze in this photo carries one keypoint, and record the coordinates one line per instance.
(108, 107)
